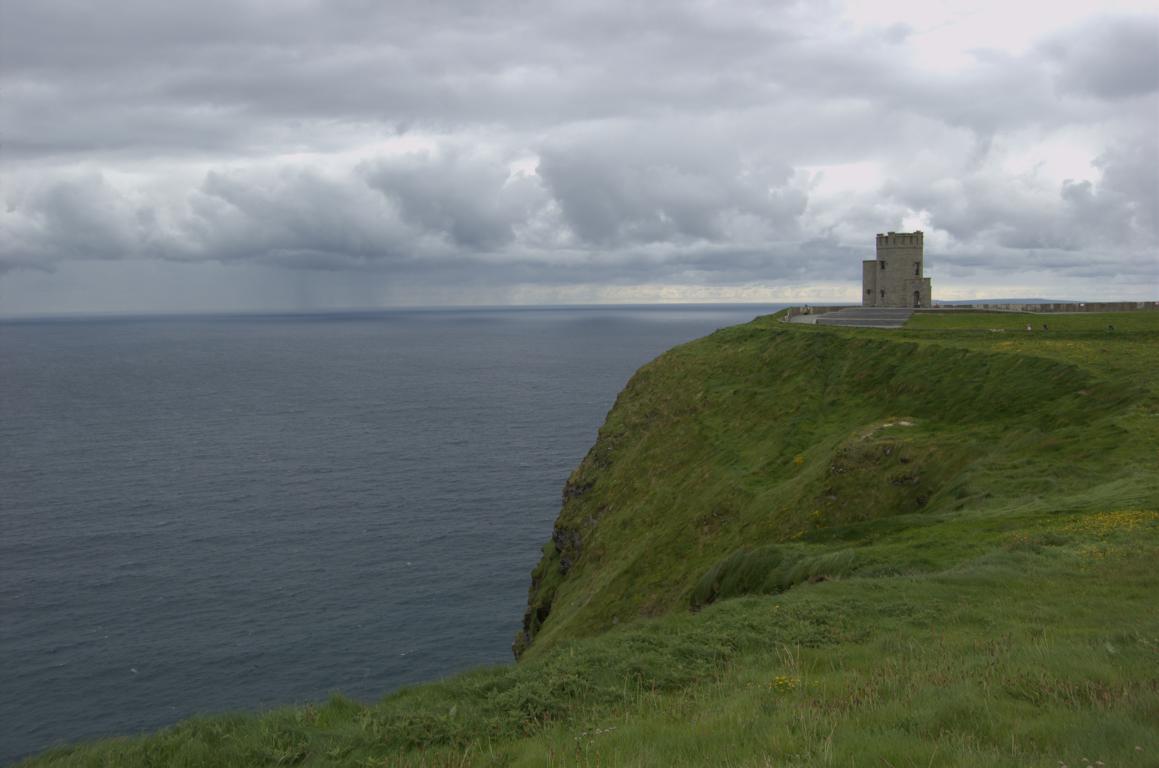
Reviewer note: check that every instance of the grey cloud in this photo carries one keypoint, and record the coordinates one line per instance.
(444, 213)
(80, 216)
(671, 140)
(297, 217)
(1113, 58)
(1131, 175)
(984, 210)
(431, 64)
(474, 200)
(216, 75)
(292, 216)
(621, 184)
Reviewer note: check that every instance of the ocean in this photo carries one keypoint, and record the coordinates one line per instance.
(223, 513)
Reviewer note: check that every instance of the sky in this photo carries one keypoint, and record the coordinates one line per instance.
(307, 155)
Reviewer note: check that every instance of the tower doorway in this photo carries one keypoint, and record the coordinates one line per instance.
(917, 298)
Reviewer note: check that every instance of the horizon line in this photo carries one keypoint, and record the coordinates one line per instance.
(277, 312)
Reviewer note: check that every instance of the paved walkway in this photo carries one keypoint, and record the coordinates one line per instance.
(866, 317)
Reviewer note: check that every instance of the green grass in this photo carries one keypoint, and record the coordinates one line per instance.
(1078, 322)
(794, 545)
(772, 434)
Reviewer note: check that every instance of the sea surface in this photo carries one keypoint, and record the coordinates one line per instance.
(204, 514)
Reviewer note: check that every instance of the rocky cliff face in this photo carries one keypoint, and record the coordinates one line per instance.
(563, 551)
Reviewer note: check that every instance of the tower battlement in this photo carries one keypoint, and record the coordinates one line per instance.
(900, 240)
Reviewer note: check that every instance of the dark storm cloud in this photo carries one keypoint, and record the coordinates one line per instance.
(559, 143)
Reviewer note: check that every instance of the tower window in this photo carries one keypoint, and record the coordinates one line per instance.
(882, 263)
(917, 269)
(883, 293)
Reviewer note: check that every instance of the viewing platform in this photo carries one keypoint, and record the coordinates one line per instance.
(867, 317)
(856, 317)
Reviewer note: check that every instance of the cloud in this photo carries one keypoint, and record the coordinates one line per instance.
(623, 184)
(1111, 58)
(474, 200)
(441, 145)
(76, 217)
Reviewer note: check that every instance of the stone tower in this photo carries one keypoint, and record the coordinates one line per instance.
(894, 278)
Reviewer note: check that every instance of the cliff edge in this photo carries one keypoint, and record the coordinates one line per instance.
(768, 454)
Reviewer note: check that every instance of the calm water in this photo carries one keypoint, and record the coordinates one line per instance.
(207, 514)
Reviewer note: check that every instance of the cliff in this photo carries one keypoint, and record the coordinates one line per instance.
(796, 545)
(820, 447)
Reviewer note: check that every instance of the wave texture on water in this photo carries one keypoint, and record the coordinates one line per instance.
(232, 513)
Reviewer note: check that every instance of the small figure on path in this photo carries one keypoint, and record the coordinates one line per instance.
(1028, 328)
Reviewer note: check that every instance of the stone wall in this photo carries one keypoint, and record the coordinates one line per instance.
(1099, 306)
(811, 310)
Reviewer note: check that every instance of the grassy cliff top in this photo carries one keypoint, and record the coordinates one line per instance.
(862, 448)
(798, 545)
